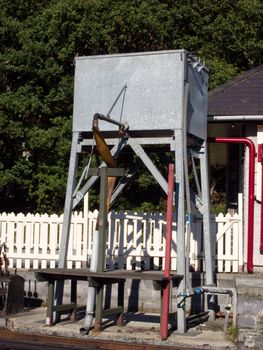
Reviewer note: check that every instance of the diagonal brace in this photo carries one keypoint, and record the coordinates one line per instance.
(149, 164)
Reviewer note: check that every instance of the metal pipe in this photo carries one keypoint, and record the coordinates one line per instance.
(187, 193)
(260, 159)
(216, 290)
(251, 191)
(91, 295)
(234, 118)
(122, 126)
(168, 242)
(231, 291)
(261, 212)
(107, 157)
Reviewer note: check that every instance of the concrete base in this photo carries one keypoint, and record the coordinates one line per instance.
(139, 328)
(250, 311)
(141, 297)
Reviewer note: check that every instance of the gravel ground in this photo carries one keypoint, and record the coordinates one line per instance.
(139, 327)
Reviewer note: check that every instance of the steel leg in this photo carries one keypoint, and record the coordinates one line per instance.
(99, 308)
(120, 320)
(63, 252)
(209, 262)
(50, 303)
(73, 299)
(180, 219)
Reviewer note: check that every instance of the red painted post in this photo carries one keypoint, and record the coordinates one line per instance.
(167, 267)
(251, 192)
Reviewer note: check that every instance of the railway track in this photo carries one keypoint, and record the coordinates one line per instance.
(10, 340)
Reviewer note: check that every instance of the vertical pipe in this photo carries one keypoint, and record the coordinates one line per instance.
(97, 258)
(179, 142)
(207, 233)
(261, 221)
(260, 159)
(209, 261)
(180, 221)
(168, 242)
(251, 192)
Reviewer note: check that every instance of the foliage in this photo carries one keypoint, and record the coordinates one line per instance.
(39, 40)
(218, 188)
(232, 333)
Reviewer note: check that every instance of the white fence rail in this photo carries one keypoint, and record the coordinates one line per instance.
(135, 241)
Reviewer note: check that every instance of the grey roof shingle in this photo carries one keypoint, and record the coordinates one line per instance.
(243, 95)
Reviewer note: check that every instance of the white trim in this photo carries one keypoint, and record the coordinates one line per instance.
(230, 118)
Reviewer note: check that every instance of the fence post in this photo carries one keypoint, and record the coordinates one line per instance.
(240, 234)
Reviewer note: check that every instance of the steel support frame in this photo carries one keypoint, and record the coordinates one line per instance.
(135, 144)
(176, 142)
(81, 193)
(71, 202)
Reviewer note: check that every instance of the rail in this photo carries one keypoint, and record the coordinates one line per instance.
(16, 340)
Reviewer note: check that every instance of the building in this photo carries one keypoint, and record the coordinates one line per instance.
(235, 110)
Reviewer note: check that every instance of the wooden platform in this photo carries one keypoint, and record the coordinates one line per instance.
(97, 280)
(85, 274)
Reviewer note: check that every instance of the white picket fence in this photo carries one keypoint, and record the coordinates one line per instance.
(135, 241)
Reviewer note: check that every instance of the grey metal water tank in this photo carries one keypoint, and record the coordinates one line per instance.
(154, 97)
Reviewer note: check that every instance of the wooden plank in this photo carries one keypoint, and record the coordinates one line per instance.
(98, 281)
(83, 274)
(112, 311)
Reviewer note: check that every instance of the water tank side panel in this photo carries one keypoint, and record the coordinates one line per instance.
(153, 95)
(197, 105)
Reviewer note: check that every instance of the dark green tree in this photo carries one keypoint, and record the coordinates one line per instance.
(39, 40)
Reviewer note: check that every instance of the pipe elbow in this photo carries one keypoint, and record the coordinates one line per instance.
(95, 122)
(84, 330)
